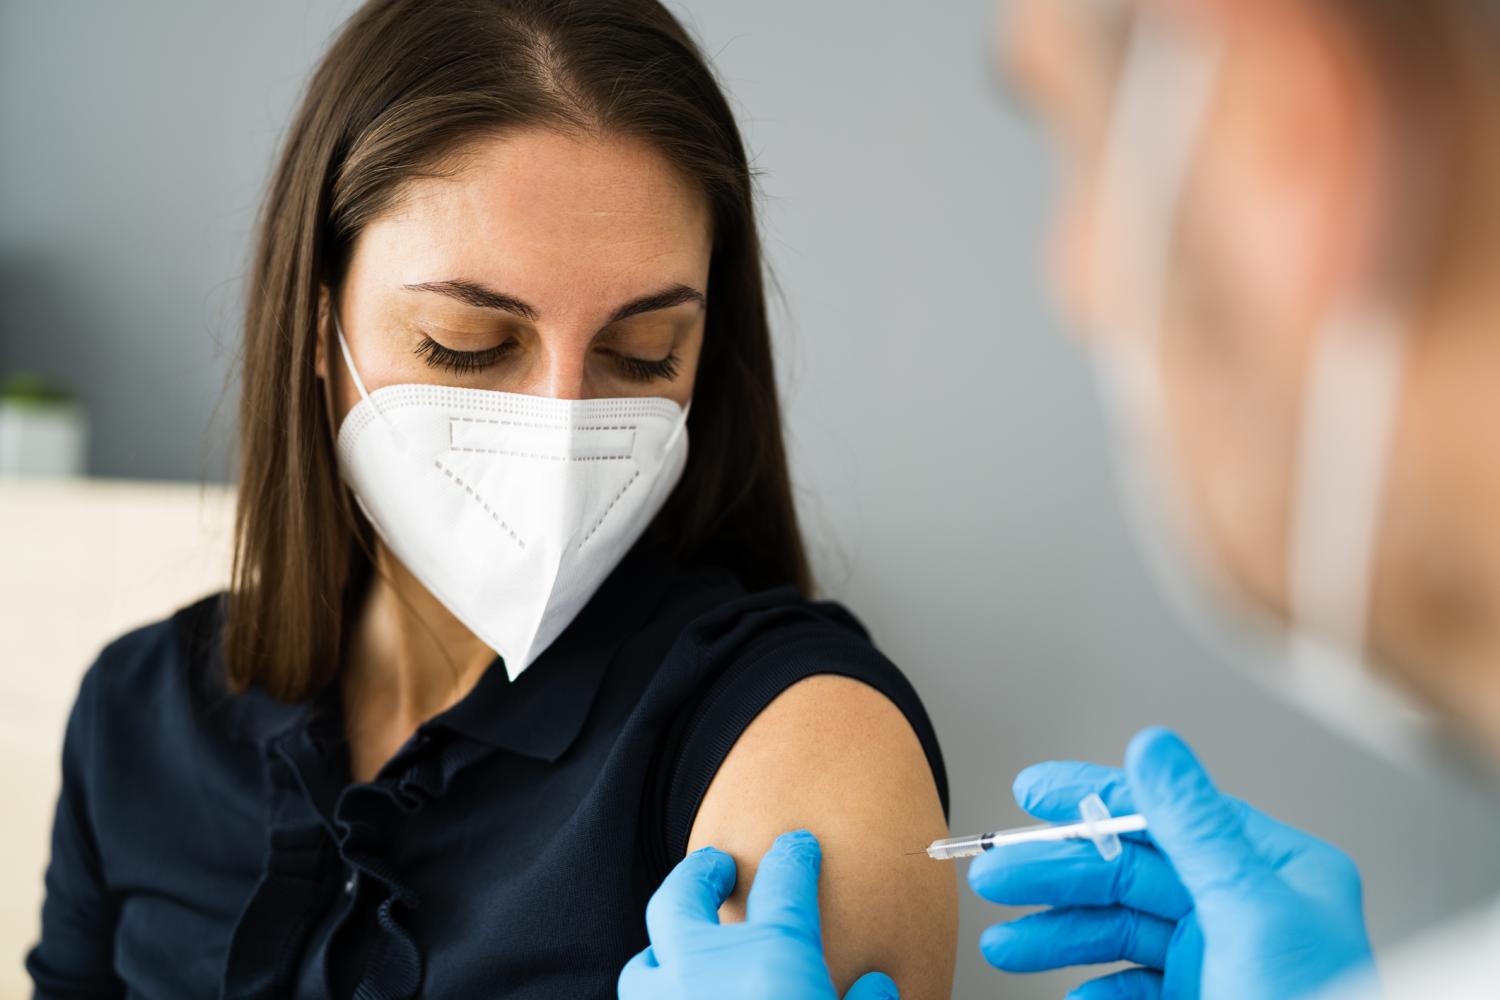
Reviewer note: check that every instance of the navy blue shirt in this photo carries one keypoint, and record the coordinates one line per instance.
(212, 843)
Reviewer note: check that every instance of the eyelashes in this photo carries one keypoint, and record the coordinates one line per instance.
(634, 369)
(461, 362)
(642, 370)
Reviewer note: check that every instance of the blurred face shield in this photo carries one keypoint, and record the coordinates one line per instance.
(1314, 653)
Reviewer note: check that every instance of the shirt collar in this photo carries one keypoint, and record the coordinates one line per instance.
(541, 712)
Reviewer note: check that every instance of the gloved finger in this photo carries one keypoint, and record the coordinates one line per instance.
(636, 980)
(1072, 873)
(874, 986)
(1197, 828)
(1130, 984)
(1056, 939)
(1183, 976)
(785, 890)
(688, 898)
(1052, 791)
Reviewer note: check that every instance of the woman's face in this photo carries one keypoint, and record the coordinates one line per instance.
(546, 265)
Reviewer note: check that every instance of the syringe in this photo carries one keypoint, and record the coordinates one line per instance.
(1096, 825)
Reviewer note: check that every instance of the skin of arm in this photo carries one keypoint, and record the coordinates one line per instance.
(836, 757)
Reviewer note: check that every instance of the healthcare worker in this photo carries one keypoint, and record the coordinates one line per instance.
(1278, 226)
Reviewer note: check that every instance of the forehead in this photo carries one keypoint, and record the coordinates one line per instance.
(542, 208)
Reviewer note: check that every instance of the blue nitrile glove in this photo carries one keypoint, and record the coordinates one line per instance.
(776, 953)
(1218, 900)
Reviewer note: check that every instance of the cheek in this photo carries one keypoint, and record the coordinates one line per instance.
(1257, 241)
(377, 367)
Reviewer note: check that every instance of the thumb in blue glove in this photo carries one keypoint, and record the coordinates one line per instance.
(776, 953)
(1219, 900)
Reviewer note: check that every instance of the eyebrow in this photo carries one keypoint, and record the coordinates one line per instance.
(474, 294)
(677, 295)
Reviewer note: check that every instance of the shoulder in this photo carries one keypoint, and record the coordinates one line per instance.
(826, 739)
(156, 679)
(798, 721)
(808, 659)
(176, 654)
(739, 624)
(152, 653)
(836, 756)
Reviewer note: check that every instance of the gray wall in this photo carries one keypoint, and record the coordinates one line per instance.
(948, 447)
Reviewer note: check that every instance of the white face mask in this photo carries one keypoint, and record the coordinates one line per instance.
(510, 509)
(1352, 397)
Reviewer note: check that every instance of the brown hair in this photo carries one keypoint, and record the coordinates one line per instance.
(404, 86)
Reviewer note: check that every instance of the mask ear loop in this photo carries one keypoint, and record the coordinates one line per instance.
(370, 554)
(357, 519)
(359, 383)
(1352, 403)
(1161, 102)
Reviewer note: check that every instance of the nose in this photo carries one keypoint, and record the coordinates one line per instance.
(562, 374)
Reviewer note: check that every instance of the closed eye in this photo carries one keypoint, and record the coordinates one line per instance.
(646, 369)
(435, 355)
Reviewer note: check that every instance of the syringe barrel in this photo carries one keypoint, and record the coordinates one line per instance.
(959, 847)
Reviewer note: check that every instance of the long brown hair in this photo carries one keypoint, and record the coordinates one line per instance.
(404, 86)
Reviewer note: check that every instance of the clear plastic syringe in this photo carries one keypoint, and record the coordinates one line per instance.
(1096, 825)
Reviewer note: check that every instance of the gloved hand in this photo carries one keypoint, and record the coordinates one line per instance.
(776, 954)
(1218, 900)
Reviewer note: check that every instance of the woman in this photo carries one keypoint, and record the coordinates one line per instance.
(497, 652)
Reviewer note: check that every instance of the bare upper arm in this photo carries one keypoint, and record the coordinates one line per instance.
(835, 756)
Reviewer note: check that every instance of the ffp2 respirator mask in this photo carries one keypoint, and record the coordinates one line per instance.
(510, 509)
